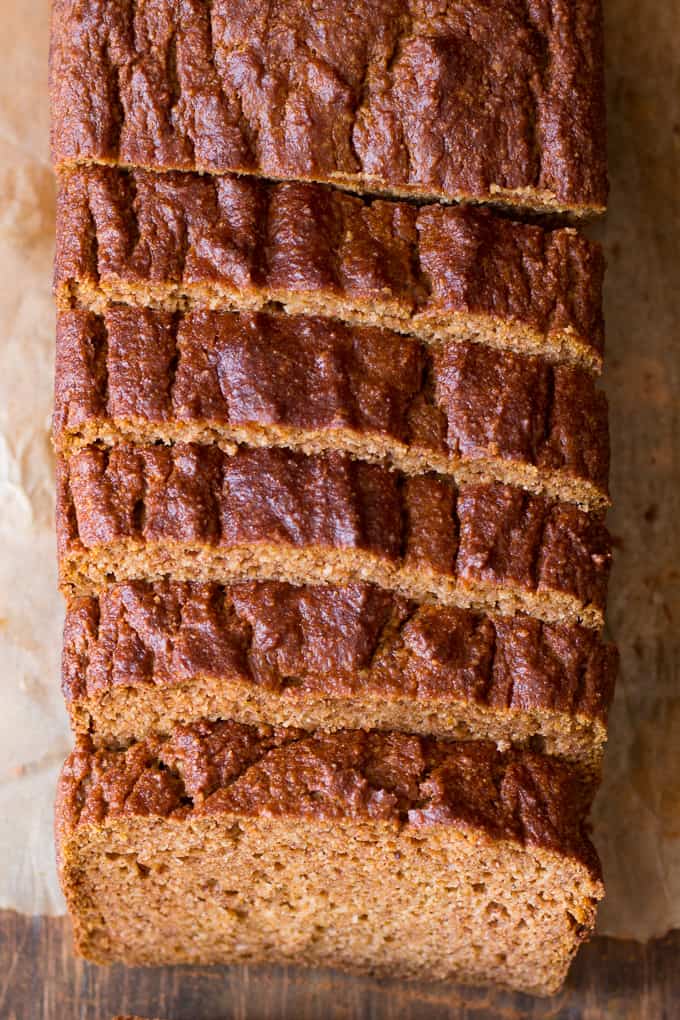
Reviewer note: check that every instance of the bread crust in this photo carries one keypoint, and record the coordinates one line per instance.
(141, 655)
(256, 823)
(196, 513)
(476, 101)
(175, 240)
(224, 767)
(142, 375)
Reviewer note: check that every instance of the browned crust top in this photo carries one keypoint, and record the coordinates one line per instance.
(332, 640)
(199, 496)
(137, 366)
(474, 100)
(423, 269)
(214, 768)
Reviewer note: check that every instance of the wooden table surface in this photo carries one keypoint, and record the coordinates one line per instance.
(611, 980)
(41, 980)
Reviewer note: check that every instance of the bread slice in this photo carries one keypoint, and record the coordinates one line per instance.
(143, 656)
(377, 852)
(197, 513)
(180, 240)
(313, 384)
(475, 101)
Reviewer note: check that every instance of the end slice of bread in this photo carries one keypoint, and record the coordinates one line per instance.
(382, 853)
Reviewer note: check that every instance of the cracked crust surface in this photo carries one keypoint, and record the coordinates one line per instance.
(180, 240)
(142, 656)
(225, 767)
(141, 375)
(197, 513)
(468, 100)
(284, 843)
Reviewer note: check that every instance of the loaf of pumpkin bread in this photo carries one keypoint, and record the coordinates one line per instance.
(221, 843)
(465, 100)
(141, 657)
(332, 471)
(180, 240)
(197, 513)
(314, 384)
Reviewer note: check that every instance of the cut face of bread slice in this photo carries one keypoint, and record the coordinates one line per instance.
(181, 240)
(142, 657)
(378, 852)
(197, 513)
(392, 97)
(313, 384)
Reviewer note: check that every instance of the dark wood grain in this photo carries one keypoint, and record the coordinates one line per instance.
(40, 979)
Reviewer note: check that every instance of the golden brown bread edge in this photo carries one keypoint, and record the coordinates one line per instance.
(143, 656)
(196, 513)
(180, 240)
(485, 854)
(389, 98)
(314, 384)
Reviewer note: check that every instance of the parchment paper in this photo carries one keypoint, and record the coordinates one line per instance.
(637, 815)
